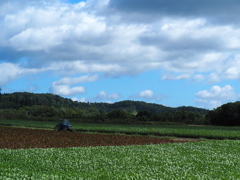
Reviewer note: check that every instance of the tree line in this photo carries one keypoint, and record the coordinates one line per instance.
(226, 115)
(24, 105)
(21, 99)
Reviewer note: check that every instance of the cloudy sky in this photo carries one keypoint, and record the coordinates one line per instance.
(170, 52)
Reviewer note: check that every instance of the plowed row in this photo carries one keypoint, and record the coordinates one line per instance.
(22, 138)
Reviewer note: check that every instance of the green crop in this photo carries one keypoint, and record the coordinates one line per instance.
(198, 160)
(213, 132)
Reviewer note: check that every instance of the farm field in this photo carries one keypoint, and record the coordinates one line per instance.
(21, 138)
(193, 160)
(211, 132)
(40, 154)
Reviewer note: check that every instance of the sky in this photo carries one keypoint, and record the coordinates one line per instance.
(169, 52)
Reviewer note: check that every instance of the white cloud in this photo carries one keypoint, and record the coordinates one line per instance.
(32, 39)
(62, 87)
(148, 95)
(216, 96)
(104, 96)
(10, 72)
(51, 33)
(226, 69)
(66, 90)
(232, 68)
(177, 77)
(116, 38)
(80, 99)
(198, 78)
(214, 78)
(233, 72)
(51, 26)
(86, 67)
(76, 80)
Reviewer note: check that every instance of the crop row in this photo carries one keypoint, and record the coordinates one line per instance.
(194, 160)
(212, 132)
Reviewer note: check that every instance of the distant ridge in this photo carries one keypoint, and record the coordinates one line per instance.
(21, 99)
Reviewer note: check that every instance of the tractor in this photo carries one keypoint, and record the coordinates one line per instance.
(63, 125)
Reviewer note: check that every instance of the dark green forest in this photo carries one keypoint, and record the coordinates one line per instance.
(225, 115)
(24, 105)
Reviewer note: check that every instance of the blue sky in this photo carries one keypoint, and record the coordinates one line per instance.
(174, 53)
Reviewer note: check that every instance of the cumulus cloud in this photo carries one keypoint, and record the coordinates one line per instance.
(218, 10)
(76, 80)
(80, 99)
(104, 96)
(62, 86)
(197, 40)
(76, 67)
(147, 95)
(181, 34)
(177, 77)
(232, 67)
(66, 90)
(216, 96)
(198, 78)
(10, 72)
(32, 40)
(52, 26)
(59, 33)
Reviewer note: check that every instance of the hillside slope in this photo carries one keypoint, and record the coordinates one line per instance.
(22, 99)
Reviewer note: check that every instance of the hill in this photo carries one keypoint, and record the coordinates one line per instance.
(24, 99)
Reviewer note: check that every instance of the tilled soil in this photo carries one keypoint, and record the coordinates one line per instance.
(23, 138)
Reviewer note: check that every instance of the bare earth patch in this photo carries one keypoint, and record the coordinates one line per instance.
(22, 138)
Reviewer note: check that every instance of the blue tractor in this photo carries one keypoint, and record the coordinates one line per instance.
(63, 125)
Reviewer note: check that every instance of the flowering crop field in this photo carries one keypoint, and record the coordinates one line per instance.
(193, 160)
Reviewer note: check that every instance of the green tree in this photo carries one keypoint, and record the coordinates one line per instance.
(118, 114)
(144, 116)
(225, 115)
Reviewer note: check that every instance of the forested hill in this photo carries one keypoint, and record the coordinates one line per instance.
(24, 99)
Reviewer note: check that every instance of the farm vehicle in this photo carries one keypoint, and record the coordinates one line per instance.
(63, 125)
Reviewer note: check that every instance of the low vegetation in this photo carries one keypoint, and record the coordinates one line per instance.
(211, 132)
(195, 160)
(105, 159)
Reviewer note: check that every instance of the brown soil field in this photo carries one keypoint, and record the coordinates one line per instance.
(22, 138)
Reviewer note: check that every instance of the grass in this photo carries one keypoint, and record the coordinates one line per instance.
(212, 132)
(199, 160)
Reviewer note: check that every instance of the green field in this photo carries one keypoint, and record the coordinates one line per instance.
(199, 160)
(211, 159)
(212, 132)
